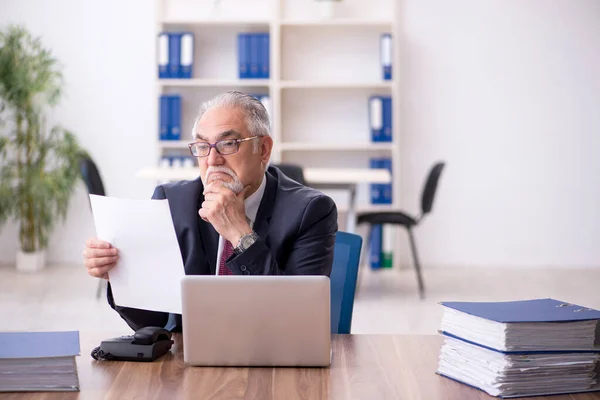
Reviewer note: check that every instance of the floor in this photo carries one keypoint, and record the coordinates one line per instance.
(63, 298)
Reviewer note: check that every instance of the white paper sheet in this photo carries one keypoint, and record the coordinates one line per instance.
(148, 273)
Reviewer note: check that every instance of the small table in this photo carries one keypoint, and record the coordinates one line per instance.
(318, 178)
(363, 367)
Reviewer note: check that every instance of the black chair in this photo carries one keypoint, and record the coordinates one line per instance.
(292, 171)
(93, 181)
(407, 221)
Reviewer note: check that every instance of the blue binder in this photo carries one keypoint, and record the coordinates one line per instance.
(243, 52)
(387, 119)
(376, 121)
(376, 246)
(164, 111)
(174, 55)
(386, 56)
(386, 188)
(254, 56)
(175, 117)
(39, 344)
(538, 310)
(376, 188)
(264, 57)
(186, 55)
(163, 55)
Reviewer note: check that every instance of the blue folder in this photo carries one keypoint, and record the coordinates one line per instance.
(387, 119)
(243, 55)
(163, 55)
(386, 56)
(39, 344)
(376, 118)
(174, 55)
(538, 310)
(376, 246)
(164, 128)
(174, 117)
(264, 56)
(254, 56)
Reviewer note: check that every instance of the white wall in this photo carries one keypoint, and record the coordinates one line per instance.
(508, 93)
(107, 50)
(504, 91)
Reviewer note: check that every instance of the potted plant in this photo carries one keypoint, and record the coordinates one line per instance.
(39, 166)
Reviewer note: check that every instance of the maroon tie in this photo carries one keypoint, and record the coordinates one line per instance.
(227, 252)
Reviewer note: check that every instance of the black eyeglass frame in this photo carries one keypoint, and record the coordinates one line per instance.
(216, 144)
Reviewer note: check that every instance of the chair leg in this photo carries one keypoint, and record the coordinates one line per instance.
(417, 263)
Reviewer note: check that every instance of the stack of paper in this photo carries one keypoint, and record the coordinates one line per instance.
(38, 361)
(521, 348)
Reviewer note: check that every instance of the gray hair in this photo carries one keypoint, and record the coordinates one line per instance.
(257, 118)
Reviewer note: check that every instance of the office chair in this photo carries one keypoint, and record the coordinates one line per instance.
(292, 171)
(407, 221)
(344, 272)
(93, 182)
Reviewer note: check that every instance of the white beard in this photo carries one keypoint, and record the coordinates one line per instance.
(235, 186)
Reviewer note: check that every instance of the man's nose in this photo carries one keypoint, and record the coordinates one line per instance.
(214, 158)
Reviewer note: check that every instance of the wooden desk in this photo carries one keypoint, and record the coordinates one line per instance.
(371, 367)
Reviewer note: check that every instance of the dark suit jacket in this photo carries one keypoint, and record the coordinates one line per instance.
(296, 226)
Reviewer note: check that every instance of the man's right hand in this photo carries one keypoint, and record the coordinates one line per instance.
(99, 257)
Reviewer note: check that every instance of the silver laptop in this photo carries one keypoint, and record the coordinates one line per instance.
(256, 320)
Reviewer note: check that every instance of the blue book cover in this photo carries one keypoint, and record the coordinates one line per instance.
(164, 111)
(254, 44)
(538, 310)
(186, 55)
(243, 55)
(174, 55)
(175, 117)
(386, 56)
(386, 188)
(376, 188)
(264, 56)
(376, 246)
(386, 135)
(163, 55)
(376, 118)
(39, 344)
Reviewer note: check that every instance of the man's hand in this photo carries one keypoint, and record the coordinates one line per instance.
(225, 211)
(99, 257)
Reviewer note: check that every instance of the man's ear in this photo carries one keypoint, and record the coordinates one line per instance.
(265, 149)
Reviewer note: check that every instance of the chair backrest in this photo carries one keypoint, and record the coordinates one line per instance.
(292, 171)
(343, 278)
(430, 187)
(91, 176)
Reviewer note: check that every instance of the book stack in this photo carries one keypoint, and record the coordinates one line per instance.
(521, 348)
(38, 361)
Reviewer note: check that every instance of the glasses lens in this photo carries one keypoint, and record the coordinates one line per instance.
(200, 149)
(227, 146)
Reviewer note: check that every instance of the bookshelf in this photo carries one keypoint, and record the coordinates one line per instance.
(322, 72)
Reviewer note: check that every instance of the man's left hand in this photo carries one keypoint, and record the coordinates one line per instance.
(225, 211)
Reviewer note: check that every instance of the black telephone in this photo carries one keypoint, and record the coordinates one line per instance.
(146, 344)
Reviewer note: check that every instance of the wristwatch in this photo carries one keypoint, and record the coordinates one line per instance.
(245, 241)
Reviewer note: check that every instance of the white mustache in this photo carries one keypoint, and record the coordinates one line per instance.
(225, 170)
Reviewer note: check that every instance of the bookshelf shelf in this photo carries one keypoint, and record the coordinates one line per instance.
(322, 74)
(219, 83)
(324, 146)
(338, 22)
(335, 85)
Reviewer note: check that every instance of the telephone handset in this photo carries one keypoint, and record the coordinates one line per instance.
(146, 344)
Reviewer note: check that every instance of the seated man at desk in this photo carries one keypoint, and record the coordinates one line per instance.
(239, 216)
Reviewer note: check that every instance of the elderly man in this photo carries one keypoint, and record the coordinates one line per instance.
(239, 217)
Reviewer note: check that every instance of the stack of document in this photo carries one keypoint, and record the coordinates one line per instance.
(521, 348)
(38, 361)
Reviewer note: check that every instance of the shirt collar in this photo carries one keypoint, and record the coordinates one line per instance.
(253, 201)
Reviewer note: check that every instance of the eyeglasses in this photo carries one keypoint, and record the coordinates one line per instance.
(223, 147)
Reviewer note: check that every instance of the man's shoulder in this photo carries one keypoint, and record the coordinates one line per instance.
(291, 193)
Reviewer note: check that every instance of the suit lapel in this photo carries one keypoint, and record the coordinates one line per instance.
(263, 216)
(209, 238)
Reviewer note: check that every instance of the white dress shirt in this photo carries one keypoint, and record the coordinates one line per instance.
(251, 204)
